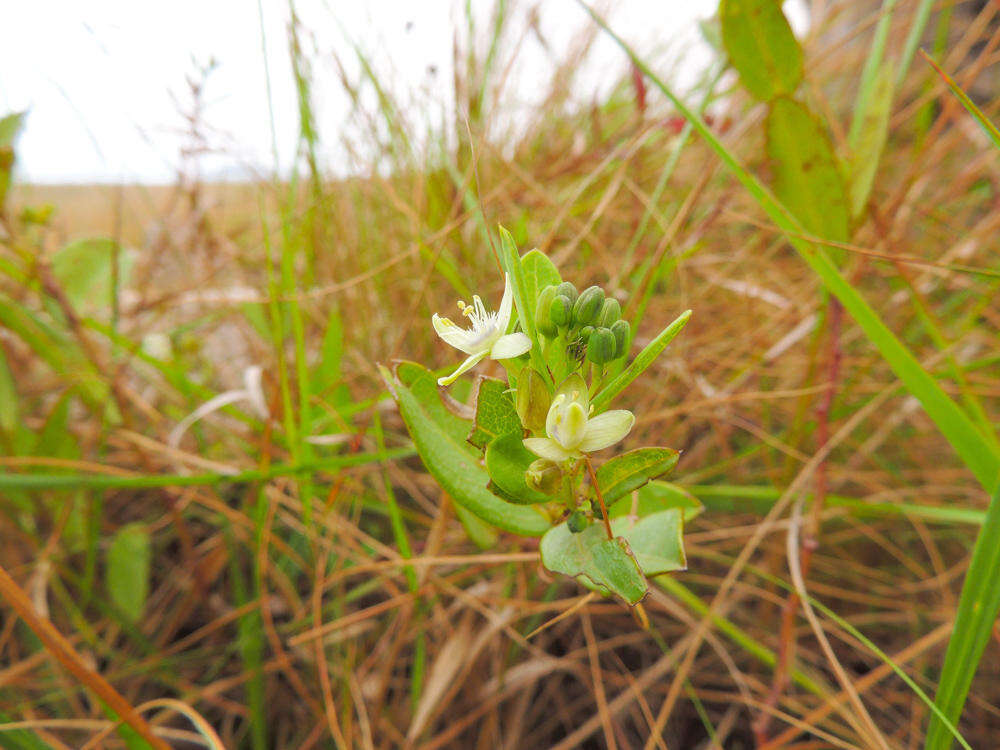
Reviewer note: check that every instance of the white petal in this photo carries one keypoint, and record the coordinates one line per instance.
(606, 429)
(467, 365)
(511, 345)
(506, 305)
(550, 449)
(452, 334)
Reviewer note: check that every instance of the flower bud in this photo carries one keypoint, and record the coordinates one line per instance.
(588, 306)
(577, 521)
(621, 331)
(560, 310)
(611, 313)
(601, 346)
(567, 290)
(585, 332)
(544, 476)
(532, 400)
(543, 320)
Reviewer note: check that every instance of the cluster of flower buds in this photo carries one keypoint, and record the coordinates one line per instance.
(590, 321)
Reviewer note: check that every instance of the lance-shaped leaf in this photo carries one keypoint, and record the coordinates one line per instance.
(807, 175)
(506, 461)
(539, 272)
(450, 461)
(127, 576)
(761, 46)
(601, 563)
(870, 141)
(631, 470)
(495, 412)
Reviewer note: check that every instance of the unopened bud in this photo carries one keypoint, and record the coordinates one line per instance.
(611, 313)
(588, 306)
(560, 310)
(543, 320)
(567, 290)
(622, 332)
(577, 521)
(601, 346)
(544, 476)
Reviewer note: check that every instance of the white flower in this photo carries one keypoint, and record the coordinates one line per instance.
(486, 337)
(570, 429)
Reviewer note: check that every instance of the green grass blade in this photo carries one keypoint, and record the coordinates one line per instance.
(988, 127)
(978, 606)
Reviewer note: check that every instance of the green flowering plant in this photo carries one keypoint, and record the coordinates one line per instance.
(525, 454)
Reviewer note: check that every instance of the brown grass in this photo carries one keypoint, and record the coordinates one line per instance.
(340, 629)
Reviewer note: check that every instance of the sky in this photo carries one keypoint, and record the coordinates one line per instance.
(105, 81)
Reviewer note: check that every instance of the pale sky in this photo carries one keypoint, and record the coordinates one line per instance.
(102, 78)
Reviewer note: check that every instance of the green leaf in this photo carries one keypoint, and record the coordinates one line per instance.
(539, 272)
(127, 574)
(424, 388)
(512, 264)
(603, 563)
(654, 497)
(495, 412)
(506, 461)
(761, 46)
(10, 127)
(449, 459)
(8, 397)
(83, 268)
(656, 539)
(643, 360)
(807, 176)
(870, 141)
(631, 470)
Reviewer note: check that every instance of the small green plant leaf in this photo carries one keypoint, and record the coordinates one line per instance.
(83, 268)
(511, 262)
(870, 141)
(127, 574)
(539, 272)
(807, 177)
(10, 127)
(439, 438)
(631, 470)
(599, 562)
(761, 46)
(654, 497)
(495, 412)
(656, 539)
(8, 397)
(506, 461)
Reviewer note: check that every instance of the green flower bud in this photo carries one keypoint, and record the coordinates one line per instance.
(588, 306)
(567, 290)
(544, 476)
(577, 521)
(611, 313)
(585, 332)
(542, 318)
(601, 346)
(533, 399)
(560, 310)
(621, 331)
